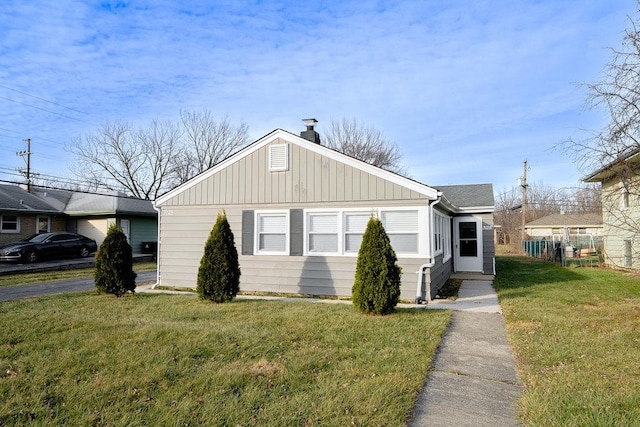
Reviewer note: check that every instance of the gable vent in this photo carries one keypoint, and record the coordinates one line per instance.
(279, 157)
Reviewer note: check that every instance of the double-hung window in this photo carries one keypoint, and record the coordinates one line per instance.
(9, 223)
(402, 228)
(355, 225)
(323, 232)
(272, 233)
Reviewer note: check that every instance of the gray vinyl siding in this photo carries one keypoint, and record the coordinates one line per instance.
(488, 245)
(311, 178)
(184, 231)
(439, 274)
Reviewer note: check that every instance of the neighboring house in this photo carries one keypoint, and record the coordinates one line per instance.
(621, 210)
(556, 226)
(298, 211)
(42, 209)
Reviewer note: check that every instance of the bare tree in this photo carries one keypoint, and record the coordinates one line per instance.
(611, 155)
(118, 157)
(148, 161)
(363, 143)
(542, 200)
(207, 142)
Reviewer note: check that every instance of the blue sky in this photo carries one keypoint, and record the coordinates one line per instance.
(467, 89)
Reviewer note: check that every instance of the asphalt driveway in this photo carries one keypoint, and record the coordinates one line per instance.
(60, 286)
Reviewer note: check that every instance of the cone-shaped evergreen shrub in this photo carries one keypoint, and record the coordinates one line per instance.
(377, 284)
(219, 272)
(114, 264)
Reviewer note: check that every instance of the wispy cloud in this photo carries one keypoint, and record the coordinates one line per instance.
(467, 90)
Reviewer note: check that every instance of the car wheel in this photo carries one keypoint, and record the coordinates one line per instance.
(84, 252)
(32, 256)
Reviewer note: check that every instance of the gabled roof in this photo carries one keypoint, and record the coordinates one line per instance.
(52, 200)
(426, 190)
(470, 197)
(567, 220)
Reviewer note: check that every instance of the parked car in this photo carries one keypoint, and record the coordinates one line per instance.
(48, 245)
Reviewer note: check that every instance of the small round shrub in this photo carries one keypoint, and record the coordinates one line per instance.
(376, 288)
(219, 272)
(114, 264)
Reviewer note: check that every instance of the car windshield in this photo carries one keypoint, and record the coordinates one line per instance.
(36, 238)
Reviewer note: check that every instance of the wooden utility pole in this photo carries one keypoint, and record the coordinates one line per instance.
(524, 200)
(28, 160)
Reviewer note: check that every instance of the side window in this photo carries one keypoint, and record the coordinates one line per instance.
(272, 233)
(355, 225)
(322, 232)
(9, 223)
(402, 228)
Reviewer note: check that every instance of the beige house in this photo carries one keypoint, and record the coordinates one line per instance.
(42, 209)
(298, 211)
(557, 225)
(621, 210)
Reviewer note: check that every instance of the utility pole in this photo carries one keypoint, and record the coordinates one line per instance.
(524, 200)
(28, 160)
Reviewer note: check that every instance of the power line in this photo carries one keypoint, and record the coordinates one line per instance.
(48, 111)
(45, 100)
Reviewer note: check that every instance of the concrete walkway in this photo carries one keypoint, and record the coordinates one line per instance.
(474, 381)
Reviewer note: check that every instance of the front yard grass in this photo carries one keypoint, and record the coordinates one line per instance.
(86, 359)
(576, 337)
(49, 276)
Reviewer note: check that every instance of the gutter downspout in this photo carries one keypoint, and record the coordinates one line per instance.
(157, 209)
(423, 267)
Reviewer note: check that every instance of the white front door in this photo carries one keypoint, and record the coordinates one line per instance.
(467, 234)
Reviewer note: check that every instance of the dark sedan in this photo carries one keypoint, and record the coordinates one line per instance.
(48, 245)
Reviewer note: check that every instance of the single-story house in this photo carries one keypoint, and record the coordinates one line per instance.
(298, 210)
(620, 209)
(554, 225)
(40, 210)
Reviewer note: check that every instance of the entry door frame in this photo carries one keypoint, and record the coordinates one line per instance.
(125, 225)
(469, 264)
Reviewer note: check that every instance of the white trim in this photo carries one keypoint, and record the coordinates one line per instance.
(339, 231)
(3, 231)
(280, 134)
(423, 231)
(475, 209)
(285, 160)
(479, 242)
(256, 231)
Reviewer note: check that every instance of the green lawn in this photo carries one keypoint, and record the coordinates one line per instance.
(576, 336)
(88, 359)
(49, 276)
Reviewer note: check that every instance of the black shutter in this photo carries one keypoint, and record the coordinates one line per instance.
(247, 232)
(296, 233)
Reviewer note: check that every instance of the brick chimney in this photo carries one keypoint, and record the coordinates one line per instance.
(310, 134)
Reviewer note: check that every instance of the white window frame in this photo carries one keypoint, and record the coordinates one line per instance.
(2, 223)
(48, 218)
(285, 165)
(624, 198)
(405, 231)
(307, 231)
(446, 242)
(257, 233)
(344, 233)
